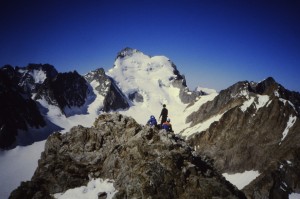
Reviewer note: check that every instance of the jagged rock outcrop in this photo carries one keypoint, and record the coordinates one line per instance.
(29, 79)
(65, 90)
(114, 99)
(258, 130)
(142, 161)
(18, 110)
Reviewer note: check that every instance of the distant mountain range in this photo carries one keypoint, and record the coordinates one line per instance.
(249, 126)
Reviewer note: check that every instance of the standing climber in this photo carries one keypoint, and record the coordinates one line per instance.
(163, 115)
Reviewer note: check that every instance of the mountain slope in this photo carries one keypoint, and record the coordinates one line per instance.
(257, 128)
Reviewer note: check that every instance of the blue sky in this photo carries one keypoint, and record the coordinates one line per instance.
(213, 43)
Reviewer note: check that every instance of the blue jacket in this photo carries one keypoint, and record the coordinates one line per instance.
(167, 126)
(152, 122)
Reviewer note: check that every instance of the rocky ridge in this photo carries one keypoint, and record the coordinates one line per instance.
(142, 161)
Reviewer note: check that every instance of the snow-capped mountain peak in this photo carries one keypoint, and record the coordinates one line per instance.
(142, 68)
(149, 82)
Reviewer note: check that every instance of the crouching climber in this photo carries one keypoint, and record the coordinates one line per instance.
(152, 121)
(167, 125)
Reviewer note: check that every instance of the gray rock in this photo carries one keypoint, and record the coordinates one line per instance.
(143, 162)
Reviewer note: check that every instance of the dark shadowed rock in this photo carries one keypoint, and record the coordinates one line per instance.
(66, 90)
(114, 99)
(18, 110)
(143, 162)
(136, 96)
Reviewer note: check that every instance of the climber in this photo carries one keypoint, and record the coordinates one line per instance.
(167, 125)
(152, 121)
(163, 115)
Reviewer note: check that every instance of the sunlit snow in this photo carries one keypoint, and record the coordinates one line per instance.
(240, 180)
(247, 104)
(91, 191)
(259, 102)
(150, 77)
(294, 196)
(262, 101)
(290, 123)
(201, 126)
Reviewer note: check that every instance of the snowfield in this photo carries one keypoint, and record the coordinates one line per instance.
(90, 191)
(240, 180)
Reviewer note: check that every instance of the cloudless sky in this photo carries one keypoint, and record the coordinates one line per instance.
(214, 43)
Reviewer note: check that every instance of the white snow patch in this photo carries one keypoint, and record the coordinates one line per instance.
(294, 196)
(201, 126)
(284, 101)
(276, 94)
(261, 101)
(289, 162)
(91, 191)
(240, 180)
(290, 123)
(39, 76)
(247, 104)
(269, 103)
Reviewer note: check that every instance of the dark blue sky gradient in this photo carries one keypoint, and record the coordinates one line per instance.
(214, 43)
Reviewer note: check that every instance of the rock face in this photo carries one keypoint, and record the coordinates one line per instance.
(258, 130)
(143, 162)
(18, 110)
(114, 99)
(66, 90)
(29, 78)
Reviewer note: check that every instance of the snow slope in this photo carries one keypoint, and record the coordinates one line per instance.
(152, 78)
